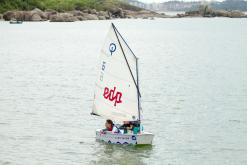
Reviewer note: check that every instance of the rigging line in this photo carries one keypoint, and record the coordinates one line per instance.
(139, 104)
(114, 28)
(125, 42)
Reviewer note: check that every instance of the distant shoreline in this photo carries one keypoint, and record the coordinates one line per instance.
(37, 15)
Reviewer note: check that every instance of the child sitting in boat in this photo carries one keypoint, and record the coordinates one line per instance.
(133, 126)
(109, 126)
(127, 125)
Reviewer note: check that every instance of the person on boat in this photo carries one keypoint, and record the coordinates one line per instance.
(133, 126)
(127, 125)
(136, 127)
(109, 126)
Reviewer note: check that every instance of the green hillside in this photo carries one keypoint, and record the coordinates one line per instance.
(63, 5)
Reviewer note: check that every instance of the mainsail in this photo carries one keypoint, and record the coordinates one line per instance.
(117, 91)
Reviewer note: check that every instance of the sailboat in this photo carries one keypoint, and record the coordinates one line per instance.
(117, 94)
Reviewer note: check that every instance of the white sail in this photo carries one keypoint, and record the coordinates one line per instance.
(116, 93)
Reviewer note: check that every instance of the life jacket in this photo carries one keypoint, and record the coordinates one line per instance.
(109, 129)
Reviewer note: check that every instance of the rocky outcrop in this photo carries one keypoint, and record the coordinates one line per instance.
(49, 13)
(1, 16)
(81, 18)
(54, 16)
(85, 11)
(145, 14)
(92, 11)
(104, 14)
(237, 14)
(9, 15)
(117, 13)
(77, 13)
(63, 17)
(39, 14)
(205, 11)
(220, 13)
(101, 17)
(92, 14)
(34, 15)
(90, 17)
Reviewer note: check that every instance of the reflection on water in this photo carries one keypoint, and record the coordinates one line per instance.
(121, 154)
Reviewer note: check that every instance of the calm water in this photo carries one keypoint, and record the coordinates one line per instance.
(194, 88)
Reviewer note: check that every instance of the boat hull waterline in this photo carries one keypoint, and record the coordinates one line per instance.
(144, 138)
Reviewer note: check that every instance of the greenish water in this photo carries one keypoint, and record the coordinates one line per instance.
(193, 85)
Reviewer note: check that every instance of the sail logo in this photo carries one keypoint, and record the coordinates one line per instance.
(112, 48)
(133, 138)
(112, 95)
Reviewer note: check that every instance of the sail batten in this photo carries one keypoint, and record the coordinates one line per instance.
(117, 91)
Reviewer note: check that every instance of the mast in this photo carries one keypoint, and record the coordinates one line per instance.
(138, 97)
(136, 83)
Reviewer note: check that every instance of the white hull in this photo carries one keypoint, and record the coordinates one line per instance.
(118, 138)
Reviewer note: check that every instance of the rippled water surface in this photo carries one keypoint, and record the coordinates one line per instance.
(193, 83)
